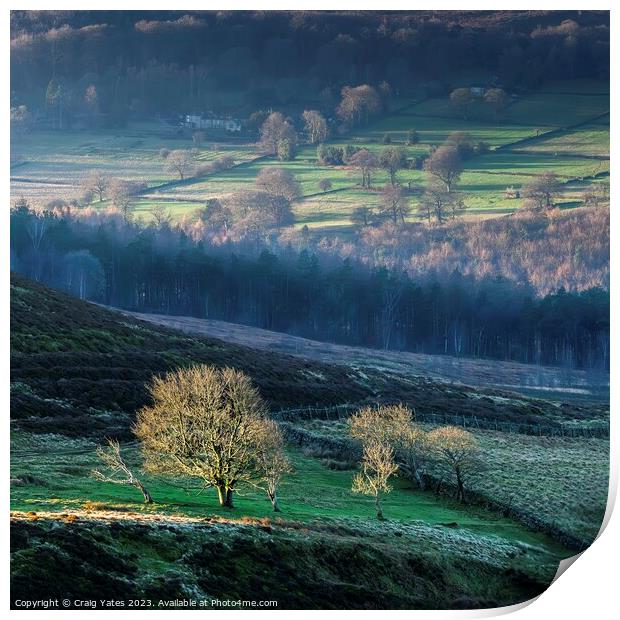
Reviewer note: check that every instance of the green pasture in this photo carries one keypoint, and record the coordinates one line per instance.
(562, 481)
(55, 476)
(528, 138)
(590, 140)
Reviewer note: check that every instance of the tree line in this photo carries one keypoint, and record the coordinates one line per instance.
(82, 64)
(303, 291)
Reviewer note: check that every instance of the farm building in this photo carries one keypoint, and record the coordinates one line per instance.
(211, 121)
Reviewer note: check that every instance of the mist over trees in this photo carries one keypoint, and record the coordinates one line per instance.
(497, 288)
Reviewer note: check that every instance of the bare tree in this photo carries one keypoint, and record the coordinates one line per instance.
(445, 164)
(365, 162)
(543, 190)
(117, 471)
(440, 204)
(96, 182)
(122, 193)
(377, 467)
(315, 126)
(279, 182)
(179, 161)
(358, 104)
(362, 216)
(206, 423)
(392, 159)
(161, 216)
(457, 452)
(271, 461)
(394, 204)
(414, 451)
(275, 131)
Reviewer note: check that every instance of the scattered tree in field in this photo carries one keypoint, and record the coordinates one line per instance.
(542, 190)
(164, 152)
(377, 467)
(286, 149)
(366, 162)
(161, 216)
(325, 185)
(462, 142)
(387, 138)
(179, 161)
(358, 104)
(205, 423)
(456, 451)
(260, 209)
(216, 216)
(394, 204)
(440, 204)
(122, 193)
(445, 165)
(462, 100)
(392, 159)
(96, 182)
(279, 182)
(362, 216)
(384, 424)
(271, 461)
(329, 155)
(116, 469)
(275, 131)
(414, 452)
(315, 126)
(497, 99)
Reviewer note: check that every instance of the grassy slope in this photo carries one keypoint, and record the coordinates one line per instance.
(79, 369)
(558, 484)
(483, 560)
(329, 565)
(556, 383)
(56, 161)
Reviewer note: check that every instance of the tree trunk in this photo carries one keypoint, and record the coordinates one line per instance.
(221, 494)
(229, 498)
(274, 501)
(147, 496)
(378, 507)
(460, 495)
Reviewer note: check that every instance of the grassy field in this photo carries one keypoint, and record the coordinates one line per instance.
(52, 473)
(78, 375)
(558, 483)
(529, 135)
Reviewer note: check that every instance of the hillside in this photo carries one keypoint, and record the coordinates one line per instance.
(552, 382)
(80, 369)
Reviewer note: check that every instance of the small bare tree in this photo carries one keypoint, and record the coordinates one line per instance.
(117, 471)
(179, 161)
(271, 461)
(96, 182)
(457, 452)
(377, 467)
